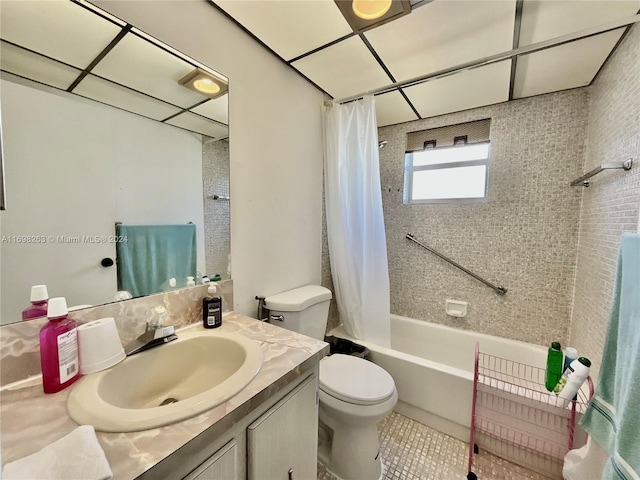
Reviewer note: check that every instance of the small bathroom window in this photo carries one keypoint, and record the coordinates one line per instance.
(442, 166)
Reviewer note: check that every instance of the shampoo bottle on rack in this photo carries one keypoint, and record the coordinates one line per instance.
(554, 366)
(59, 348)
(570, 354)
(571, 380)
(39, 298)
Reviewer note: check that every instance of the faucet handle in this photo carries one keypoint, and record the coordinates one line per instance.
(156, 317)
(163, 332)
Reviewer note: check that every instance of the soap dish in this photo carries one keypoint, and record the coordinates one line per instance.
(456, 308)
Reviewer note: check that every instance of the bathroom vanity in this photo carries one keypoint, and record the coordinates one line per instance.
(268, 430)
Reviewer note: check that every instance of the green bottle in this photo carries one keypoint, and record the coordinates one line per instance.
(554, 366)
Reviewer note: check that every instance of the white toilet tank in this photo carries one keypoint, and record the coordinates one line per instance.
(304, 310)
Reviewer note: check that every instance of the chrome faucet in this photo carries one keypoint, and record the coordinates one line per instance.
(155, 333)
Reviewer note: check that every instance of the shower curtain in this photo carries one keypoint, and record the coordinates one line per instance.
(355, 225)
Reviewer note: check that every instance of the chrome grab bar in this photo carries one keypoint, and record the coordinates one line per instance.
(583, 182)
(499, 290)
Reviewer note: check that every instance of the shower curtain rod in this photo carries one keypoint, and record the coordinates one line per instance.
(499, 57)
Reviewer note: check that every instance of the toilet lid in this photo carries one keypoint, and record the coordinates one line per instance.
(355, 380)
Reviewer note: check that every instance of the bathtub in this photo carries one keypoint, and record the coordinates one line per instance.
(432, 366)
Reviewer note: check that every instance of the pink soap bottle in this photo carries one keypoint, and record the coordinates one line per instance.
(38, 307)
(59, 348)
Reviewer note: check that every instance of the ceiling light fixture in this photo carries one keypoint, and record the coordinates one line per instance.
(205, 83)
(363, 15)
(370, 9)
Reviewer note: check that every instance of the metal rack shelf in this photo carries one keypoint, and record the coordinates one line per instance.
(515, 417)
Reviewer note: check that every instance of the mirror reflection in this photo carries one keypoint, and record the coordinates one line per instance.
(100, 136)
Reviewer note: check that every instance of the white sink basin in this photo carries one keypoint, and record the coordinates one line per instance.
(166, 384)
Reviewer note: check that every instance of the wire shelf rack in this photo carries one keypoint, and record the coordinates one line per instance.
(515, 417)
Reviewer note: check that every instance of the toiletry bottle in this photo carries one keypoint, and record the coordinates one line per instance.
(554, 366)
(571, 381)
(211, 308)
(59, 348)
(38, 307)
(191, 282)
(570, 354)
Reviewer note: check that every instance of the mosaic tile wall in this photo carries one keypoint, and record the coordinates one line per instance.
(215, 177)
(523, 238)
(610, 205)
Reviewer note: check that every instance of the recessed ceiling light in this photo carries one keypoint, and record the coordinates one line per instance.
(370, 9)
(205, 83)
(363, 15)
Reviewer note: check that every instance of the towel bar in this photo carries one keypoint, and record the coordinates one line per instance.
(582, 181)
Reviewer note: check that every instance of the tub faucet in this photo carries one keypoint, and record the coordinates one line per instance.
(155, 333)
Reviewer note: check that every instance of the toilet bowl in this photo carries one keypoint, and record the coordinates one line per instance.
(354, 395)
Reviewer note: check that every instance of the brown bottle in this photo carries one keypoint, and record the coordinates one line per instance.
(211, 309)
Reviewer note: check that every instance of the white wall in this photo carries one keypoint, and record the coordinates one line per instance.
(275, 146)
(73, 168)
(173, 196)
(55, 187)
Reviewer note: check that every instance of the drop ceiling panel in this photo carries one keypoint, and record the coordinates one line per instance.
(542, 20)
(392, 108)
(443, 34)
(138, 64)
(344, 69)
(58, 29)
(216, 109)
(289, 28)
(30, 65)
(196, 123)
(567, 66)
(106, 92)
(465, 90)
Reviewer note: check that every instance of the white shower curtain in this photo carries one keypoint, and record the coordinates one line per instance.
(355, 225)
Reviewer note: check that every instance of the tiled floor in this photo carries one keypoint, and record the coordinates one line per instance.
(413, 451)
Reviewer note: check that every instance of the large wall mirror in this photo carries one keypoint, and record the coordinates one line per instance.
(99, 129)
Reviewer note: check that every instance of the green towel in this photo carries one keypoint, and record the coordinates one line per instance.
(613, 417)
(152, 254)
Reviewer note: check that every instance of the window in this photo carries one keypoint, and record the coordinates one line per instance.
(454, 172)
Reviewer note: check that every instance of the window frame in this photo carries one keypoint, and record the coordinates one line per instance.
(409, 169)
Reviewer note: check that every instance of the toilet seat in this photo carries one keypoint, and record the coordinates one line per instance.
(355, 380)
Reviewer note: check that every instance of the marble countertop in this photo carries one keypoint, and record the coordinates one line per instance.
(30, 420)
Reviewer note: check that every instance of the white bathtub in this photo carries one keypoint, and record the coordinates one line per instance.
(432, 366)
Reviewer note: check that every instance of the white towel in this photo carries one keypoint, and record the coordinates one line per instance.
(585, 462)
(76, 456)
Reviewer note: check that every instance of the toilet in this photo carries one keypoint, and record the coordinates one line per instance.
(355, 394)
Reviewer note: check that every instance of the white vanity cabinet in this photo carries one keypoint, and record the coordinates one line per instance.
(283, 443)
(223, 465)
(276, 441)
